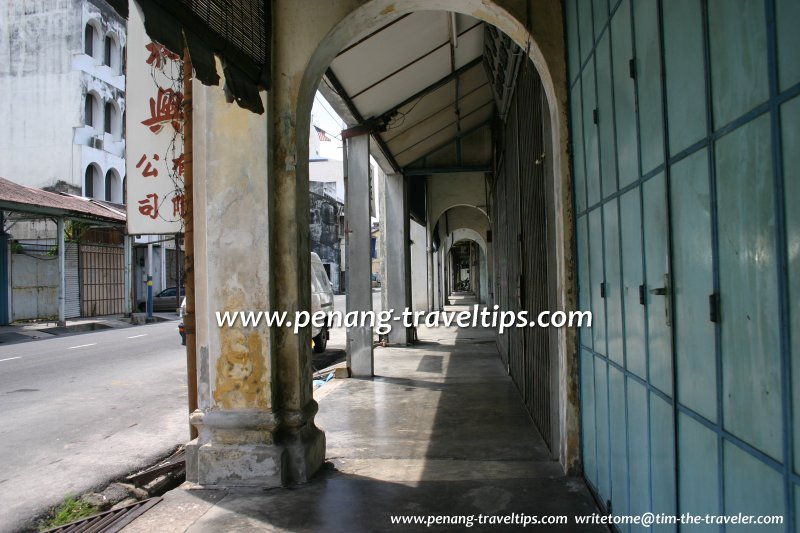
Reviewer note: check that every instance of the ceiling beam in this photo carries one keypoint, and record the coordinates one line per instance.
(433, 86)
(457, 138)
(445, 170)
(339, 90)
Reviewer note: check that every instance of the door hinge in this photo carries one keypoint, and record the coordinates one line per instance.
(713, 307)
(603, 290)
(595, 116)
(632, 68)
(642, 295)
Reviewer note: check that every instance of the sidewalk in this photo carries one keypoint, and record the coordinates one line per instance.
(45, 329)
(440, 430)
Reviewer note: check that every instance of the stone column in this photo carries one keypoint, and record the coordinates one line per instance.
(237, 419)
(394, 211)
(359, 258)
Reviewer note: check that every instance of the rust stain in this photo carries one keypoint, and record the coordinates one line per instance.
(241, 380)
(388, 9)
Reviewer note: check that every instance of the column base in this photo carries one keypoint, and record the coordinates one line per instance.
(304, 443)
(235, 449)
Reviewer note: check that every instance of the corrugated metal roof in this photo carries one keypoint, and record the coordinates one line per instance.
(16, 197)
(432, 88)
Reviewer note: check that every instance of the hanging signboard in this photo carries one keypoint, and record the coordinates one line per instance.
(154, 133)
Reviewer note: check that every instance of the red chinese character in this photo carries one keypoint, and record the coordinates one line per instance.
(147, 209)
(158, 52)
(149, 170)
(178, 205)
(166, 107)
(177, 165)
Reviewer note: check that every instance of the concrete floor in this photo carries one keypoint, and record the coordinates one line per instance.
(439, 431)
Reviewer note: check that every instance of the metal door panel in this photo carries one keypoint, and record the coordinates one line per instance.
(638, 448)
(787, 13)
(599, 15)
(751, 487)
(685, 73)
(655, 252)
(579, 178)
(605, 117)
(596, 273)
(573, 50)
(648, 78)
(590, 141)
(738, 45)
(662, 459)
(631, 221)
(589, 439)
(790, 122)
(699, 475)
(601, 423)
(584, 285)
(624, 96)
(613, 280)
(692, 284)
(586, 29)
(751, 374)
(619, 445)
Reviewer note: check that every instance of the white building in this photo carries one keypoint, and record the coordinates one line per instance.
(62, 83)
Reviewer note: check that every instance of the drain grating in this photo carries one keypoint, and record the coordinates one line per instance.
(109, 521)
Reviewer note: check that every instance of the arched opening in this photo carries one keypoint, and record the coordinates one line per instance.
(92, 112)
(113, 187)
(93, 182)
(111, 53)
(92, 43)
(111, 120)
(452, 117)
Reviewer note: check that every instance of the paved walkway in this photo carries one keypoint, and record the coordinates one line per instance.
(440, 431)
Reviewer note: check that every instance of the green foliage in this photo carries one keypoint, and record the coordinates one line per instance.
(69, 511)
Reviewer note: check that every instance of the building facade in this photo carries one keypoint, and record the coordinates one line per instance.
(63, 93)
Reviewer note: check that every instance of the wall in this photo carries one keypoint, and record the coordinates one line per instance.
(34, 283)
(419, 267)
(685, 168)
(325, 234)
(48, 71)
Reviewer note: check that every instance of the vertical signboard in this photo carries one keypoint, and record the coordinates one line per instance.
(154, 133)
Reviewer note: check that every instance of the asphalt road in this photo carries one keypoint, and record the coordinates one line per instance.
(78, 411)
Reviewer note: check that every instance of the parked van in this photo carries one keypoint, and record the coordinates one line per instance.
(321, 300)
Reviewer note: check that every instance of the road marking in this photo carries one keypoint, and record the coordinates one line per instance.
(10, 359)
(137, 336)
(81, 346)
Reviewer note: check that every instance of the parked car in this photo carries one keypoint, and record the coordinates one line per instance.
(181, 325)
(321, 300)
(163, 301)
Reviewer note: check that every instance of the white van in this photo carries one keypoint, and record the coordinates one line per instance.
(321, 300)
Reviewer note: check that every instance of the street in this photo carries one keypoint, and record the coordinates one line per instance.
(77, 411)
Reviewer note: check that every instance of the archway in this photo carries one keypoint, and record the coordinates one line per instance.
(293, 103)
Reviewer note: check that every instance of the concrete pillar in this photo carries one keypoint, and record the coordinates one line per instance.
(128, 263)
(62, 281)
(238, 418)
(359, 258)
(397, 261)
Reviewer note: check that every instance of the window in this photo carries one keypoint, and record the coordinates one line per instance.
(109, 185)
(88, 40)
(109, 113)
(108, 50)
(88, 110)
(88, 182)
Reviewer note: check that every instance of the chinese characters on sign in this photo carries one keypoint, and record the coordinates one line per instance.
(154, 133)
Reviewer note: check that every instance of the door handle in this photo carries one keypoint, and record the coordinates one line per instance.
(664, 291)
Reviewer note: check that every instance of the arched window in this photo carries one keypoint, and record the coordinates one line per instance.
(88, 110)
(109, 48)
(88, 181)
(109, 185)
(88, 40)
(109, 115)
